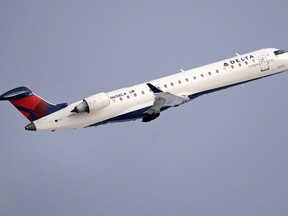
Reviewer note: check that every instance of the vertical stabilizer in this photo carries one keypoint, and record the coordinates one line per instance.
(29, 104)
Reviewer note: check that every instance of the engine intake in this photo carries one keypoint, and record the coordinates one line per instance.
(93, 103)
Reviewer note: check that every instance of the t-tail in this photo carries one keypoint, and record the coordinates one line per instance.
(30, 105)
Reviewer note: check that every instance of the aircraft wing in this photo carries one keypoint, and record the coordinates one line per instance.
(164, 100)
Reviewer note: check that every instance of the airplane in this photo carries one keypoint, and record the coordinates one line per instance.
(147, 100)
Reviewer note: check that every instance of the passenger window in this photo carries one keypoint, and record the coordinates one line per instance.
(187, 80)
(172, 84)
(179, 81)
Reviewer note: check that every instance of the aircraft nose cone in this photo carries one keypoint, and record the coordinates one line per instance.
(30, 127)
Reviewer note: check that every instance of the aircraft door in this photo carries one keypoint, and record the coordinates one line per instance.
(263, 63)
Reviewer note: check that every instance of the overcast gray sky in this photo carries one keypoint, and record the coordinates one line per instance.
(224, 154)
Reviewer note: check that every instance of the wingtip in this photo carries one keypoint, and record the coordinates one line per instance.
(153, 88)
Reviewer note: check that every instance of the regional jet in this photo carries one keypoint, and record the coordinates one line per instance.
(147, 100)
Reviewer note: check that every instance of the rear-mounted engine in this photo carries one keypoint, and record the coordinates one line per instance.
(93, 103)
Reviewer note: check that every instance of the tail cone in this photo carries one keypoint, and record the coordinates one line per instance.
(30, 127)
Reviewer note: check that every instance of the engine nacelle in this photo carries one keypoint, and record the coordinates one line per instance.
(93, 103)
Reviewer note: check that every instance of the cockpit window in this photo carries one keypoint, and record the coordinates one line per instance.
(279, 52)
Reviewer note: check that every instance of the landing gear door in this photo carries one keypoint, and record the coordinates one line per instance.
(264, 65)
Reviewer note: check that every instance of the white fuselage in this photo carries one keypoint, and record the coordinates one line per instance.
(130, 103)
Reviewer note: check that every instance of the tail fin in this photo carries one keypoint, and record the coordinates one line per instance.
(29, 104)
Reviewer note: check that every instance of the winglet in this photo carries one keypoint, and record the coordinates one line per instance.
(153, 88)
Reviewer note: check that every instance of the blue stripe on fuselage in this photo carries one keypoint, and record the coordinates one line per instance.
(137, 114)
